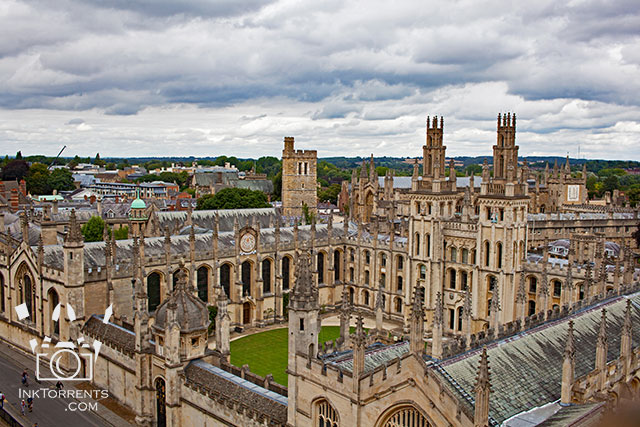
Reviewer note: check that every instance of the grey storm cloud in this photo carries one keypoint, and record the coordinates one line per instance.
(183, 77)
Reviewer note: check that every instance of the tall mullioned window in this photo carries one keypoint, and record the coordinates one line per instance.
(326, 415)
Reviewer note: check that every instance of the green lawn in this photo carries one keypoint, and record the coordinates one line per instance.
(266, 352)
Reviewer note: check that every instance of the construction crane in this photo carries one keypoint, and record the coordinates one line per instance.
(54, 160)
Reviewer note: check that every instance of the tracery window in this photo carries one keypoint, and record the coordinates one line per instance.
(407, 416)
(327, 415)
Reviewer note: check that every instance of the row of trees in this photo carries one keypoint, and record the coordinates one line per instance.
(233, 198)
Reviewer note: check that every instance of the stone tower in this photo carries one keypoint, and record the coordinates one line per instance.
(505, 152)
(303, 325)
(434, 150)
(299, 179)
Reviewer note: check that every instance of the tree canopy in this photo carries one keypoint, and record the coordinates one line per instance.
(15, 170)
(93, 229)
(41, 181)
(233, 198)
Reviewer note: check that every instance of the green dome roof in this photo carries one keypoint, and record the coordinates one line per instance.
(138, 204)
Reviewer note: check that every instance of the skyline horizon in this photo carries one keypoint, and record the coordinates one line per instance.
(354, 77)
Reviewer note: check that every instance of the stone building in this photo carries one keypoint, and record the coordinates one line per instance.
(457, 267)
(299, 179)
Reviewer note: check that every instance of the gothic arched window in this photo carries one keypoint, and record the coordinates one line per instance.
(225, 278)
(326, 416)
(203, 283)
(246, 278)
(153, 291)
(266, 276)
(406, 416)
(286, 273)
(320, 267)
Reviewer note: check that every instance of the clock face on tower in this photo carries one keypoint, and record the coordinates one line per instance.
(247, 242)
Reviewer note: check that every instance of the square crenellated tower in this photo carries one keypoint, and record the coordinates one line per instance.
(299, 179)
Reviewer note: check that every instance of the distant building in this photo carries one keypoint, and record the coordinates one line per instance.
(212, 180)
(299, 179)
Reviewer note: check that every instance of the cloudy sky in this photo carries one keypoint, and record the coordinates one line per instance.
(204, 78)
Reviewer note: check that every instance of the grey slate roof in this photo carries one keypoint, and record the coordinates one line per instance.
(225, 385)
(226, 218)
(264, 185)
(110, 334)
(569, 415)
(154, 246)
(375, 355)
(526, 370)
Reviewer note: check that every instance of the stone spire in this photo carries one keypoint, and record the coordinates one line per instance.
(485, 171)
(24, 226)
(482, 390)
(416, 322)
(626, 340)
(628, 268)
(602, 348)
(359, 340)
(363, 172)
(345, 316)
(567, 285)
(40, 250)
(74, 235)
(494, 320)
(304, 295)
(616, 274)
(544, 289)
(568, 366)
(588, 280)
(223, 321)
(466, 316)
(436, 344)
(379, 309)
(521, 298)
(452, 172)
(373, 175)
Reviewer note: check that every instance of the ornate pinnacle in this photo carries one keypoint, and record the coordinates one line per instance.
(483, 378)
(417, 309)
(570, 348)
(495, 300)
(568, 283)
(74, 234)
(466, 308)
(627, 325)
(345, 305)
(139, 289)
(521, 295)
(379, 297)
(167, 236)
(437, 313)
(181, 283)
(602, 333)
(304, 291)
(544, 283)
(359, 337)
